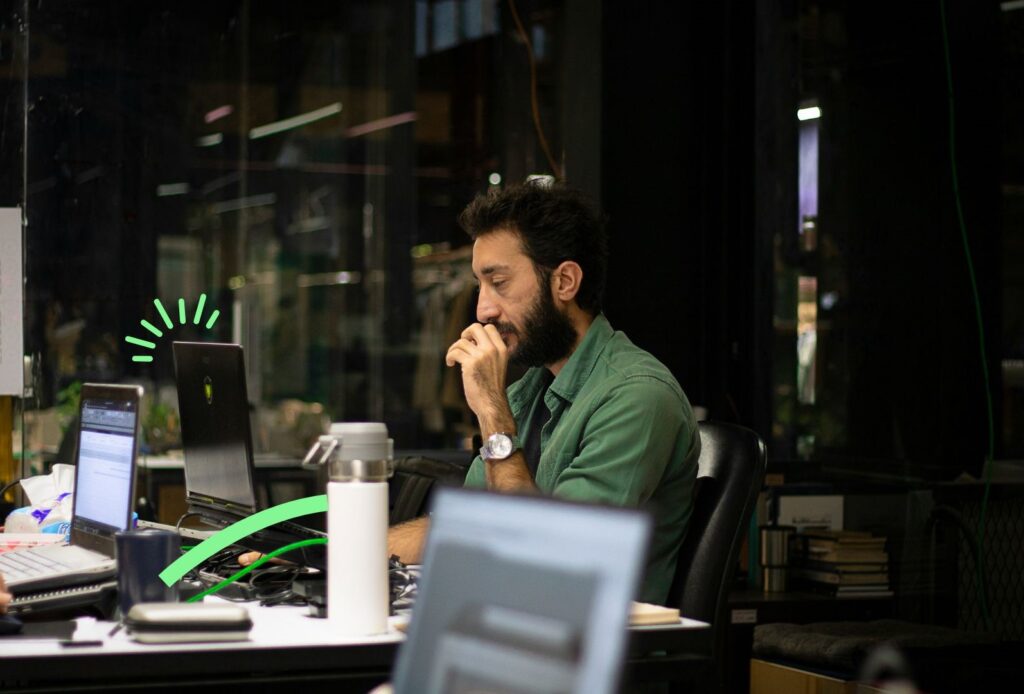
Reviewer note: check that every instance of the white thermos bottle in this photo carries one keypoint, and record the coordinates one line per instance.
(359, 459)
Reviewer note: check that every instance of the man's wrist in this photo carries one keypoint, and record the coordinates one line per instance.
(497, 425)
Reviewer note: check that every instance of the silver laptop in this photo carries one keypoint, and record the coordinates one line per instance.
(108, 440)
(522, 594)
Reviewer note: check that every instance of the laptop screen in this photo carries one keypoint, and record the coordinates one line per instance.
(522, 594)
(215, 428)
(105, 476)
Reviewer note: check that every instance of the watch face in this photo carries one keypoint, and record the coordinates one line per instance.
(500, 445)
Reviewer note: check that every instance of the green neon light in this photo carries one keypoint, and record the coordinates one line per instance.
(257, 564)
(140, 343)
(199, 308)
(183, 319)
(151, 328)
(163, 313)
(236, 531)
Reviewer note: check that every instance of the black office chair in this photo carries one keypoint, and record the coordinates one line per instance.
(414, 481)
(730, 472)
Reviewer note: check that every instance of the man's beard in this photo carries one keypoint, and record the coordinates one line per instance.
(548, 335)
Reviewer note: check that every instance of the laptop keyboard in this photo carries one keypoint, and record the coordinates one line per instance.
(27, 563)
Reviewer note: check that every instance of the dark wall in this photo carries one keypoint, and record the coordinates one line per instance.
(698, 177)
(677, 184)
(901, 360)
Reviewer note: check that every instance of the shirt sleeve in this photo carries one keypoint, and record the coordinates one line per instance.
(627, 443)
(475, 477)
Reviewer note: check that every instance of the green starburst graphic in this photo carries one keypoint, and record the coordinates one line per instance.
(182, 320)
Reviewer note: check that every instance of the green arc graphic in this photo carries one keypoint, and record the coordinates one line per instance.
(236, 531)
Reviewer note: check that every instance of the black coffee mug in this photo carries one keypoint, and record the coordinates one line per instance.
(141, 556)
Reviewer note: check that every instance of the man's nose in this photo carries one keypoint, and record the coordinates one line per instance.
(486, 310)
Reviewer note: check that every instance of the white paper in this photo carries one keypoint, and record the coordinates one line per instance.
(813, 511)
(12, 345)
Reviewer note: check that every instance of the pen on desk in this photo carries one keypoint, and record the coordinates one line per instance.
(117, 628)
(71, 643)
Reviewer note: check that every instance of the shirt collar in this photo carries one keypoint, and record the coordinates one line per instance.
(577, 370)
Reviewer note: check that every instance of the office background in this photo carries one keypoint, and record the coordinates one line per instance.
(777, 176)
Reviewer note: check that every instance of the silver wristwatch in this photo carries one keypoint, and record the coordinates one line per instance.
(499, 446)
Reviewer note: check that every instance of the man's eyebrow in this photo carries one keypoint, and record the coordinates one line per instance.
(491, 269)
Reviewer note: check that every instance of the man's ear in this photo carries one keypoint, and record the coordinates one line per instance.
(566, 280)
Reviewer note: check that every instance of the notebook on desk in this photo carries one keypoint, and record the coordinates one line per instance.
(104, 491)
(216, 435)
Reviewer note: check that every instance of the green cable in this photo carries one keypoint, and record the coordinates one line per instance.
(256, 564)
(987, 472)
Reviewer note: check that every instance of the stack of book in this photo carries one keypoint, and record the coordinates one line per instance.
(841, 562)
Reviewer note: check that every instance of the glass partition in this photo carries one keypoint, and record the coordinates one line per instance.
(285, 176)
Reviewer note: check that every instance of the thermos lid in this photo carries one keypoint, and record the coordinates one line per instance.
(363, 453)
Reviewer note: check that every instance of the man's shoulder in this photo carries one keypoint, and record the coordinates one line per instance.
(622, 363)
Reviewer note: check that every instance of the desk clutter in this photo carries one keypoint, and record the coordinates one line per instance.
(840, 562)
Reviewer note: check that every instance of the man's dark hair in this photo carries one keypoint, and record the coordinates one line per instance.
(555, 224)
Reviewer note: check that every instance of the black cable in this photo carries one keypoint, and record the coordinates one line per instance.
(402, 584)
(177, 526)
(7, 487)
(273, 585)
(256, 565)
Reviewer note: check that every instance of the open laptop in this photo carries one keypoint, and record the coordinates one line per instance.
(216, 434)
(522, 594)
(103, 501)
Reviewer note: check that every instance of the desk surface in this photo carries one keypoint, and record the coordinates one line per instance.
(285, 643)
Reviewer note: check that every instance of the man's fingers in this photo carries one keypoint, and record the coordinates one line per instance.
(492, 332)
(249, 558)
(253, 557)
(460, 352)
(481, 336)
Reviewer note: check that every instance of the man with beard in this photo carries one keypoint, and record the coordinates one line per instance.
(595, 418)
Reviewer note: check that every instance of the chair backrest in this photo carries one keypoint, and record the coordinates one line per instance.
(729, 477)
(414, 480)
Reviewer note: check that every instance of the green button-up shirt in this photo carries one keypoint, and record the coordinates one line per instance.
(621, 432)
